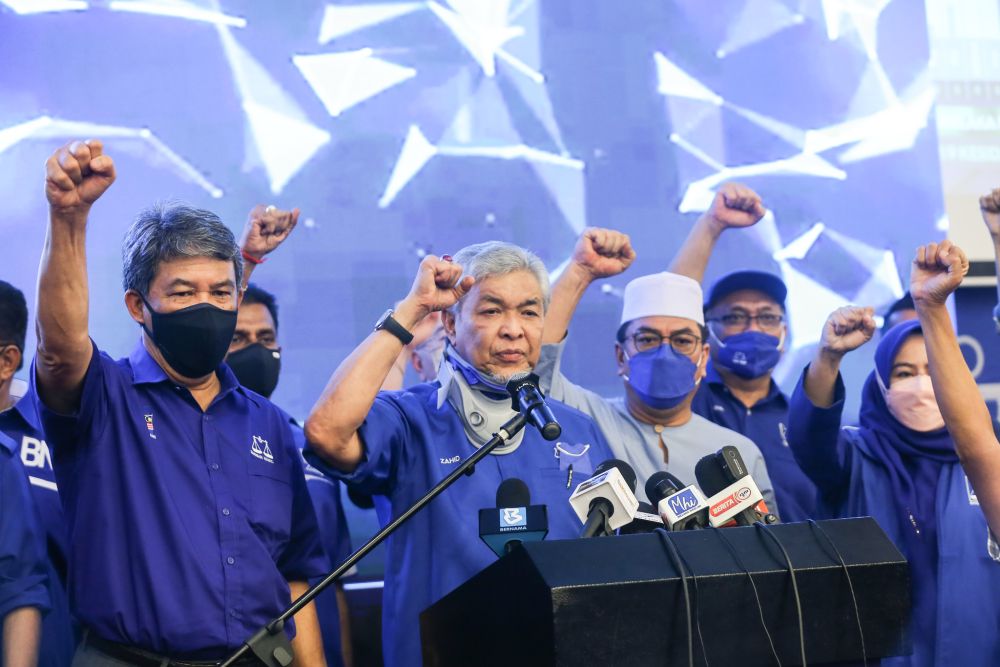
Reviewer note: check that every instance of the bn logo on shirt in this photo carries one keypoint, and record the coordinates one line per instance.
(512, 518)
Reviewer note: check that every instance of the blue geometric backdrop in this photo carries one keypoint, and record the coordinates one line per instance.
(402, 128)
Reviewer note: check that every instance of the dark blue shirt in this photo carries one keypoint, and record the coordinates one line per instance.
(766, 423)
(410, 444)
(22, 561)
(21, 425)
(185, 525)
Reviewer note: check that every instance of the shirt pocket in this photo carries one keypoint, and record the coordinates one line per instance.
(270, 506)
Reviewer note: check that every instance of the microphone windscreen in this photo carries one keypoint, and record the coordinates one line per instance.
(625, 469)
(513, 492)
(710, 477)
(659, 486)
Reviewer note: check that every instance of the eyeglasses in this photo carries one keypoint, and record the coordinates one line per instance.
(681, 342)
(741, 321)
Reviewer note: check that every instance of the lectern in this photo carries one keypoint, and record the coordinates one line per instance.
(619, 601)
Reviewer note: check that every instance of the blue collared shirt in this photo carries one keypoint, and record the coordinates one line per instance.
(22, 561)
(185, 525)
(410, 444)
(766, 423)
(20, 424)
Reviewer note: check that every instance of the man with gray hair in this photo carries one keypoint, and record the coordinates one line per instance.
(191, 526)
(399, 444)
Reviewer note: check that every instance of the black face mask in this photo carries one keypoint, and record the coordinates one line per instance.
(193, 340)
(257, 368)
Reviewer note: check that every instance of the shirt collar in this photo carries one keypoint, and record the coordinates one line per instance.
(774, 392)
(145, 370)
(25, 407)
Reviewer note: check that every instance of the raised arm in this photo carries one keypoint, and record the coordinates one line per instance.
(989, 206)
(75, 177)
(599, 253)
(266, 228)
(734, 205)
(937, 272)
(332, 426)
(846, 329)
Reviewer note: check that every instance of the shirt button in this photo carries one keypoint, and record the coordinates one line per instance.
(215, 466)
(231, 560)
(208, 418)
(233, 612)
(226, 512)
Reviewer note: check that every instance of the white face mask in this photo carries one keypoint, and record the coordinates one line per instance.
(911, 400)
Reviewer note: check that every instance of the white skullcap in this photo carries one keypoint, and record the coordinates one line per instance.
(663, 294)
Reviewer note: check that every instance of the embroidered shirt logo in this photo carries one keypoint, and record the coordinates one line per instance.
(260, 449)
(451, 459)
(149, 426)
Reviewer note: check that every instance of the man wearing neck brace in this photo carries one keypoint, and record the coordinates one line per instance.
(661, 353)
(493, 298)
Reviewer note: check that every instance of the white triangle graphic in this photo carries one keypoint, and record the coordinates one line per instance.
(340, 20)
(284, 144)
(342, 80)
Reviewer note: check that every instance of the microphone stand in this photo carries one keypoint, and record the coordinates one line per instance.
(270, 644)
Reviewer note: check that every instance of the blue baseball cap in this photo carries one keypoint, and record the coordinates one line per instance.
(761, 281)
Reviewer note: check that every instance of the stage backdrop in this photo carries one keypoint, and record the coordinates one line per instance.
(402, 128)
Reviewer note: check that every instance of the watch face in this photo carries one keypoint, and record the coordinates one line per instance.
(381, 320)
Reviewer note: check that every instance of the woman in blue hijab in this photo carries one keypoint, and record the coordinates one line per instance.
(900, 466)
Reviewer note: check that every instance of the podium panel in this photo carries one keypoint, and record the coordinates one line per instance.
(619, 601)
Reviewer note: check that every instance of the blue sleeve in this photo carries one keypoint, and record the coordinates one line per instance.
(815, 438)
(303, 557)
(62, 431)
(23, 576)
(382, 434)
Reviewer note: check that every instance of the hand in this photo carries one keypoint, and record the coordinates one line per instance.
(438, 286)
(938, 270)
(602, 253)
(76, 176)
(989, 206)
(847, 329)
(267, 227)
(735, 205)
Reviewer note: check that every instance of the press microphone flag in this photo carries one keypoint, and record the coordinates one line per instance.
(733, 496)
(680, 507)
(607, 498)
(514, 519)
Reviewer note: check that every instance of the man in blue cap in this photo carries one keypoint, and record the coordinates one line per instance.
(745, 316)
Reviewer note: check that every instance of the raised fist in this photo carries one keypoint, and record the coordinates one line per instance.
(989, 206)
(736, 205)
(77, 175)
(267, 227)
(438, 286)
(938, 270)
(847, 329)
(603, 252)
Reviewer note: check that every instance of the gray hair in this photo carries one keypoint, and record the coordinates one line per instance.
(169, 230)
(498, 258)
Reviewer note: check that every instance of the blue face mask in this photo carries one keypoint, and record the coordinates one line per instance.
(750, 354)
(473, 376)
(662, 378)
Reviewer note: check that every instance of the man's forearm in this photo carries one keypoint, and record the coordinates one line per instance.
(692, 258)
(22, 629)
(566, 295)
(308, 642)
(996, 262)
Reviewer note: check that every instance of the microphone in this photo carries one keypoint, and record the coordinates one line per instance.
(514, 519)
(646, 520)
(680, 507)
(526, 398)
(606, 501)
(734, 498)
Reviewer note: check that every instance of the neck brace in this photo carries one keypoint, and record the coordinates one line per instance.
(481, 411)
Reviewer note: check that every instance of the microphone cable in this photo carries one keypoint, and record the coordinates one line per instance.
(675, 558)
(761, 528)
(697, 609)
(746, 571)
(850, 586)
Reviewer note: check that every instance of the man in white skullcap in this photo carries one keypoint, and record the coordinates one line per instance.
(661, 351)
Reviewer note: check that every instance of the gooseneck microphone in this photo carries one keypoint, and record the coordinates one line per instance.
(526, 398)
(514, 519)
(606, 501)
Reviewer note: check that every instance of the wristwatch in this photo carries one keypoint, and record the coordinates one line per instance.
(386, 323)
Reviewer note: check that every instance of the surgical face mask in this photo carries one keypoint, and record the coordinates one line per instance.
(193, 340)
(911, 401)
(749, 354)
(662, 378)
(257, 368)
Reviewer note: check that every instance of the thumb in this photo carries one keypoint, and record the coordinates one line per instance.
(463, 286)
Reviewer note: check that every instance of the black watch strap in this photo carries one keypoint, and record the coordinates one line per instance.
(387, 323)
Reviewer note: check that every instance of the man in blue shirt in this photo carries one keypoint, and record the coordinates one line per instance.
(745, 313)
(255, 358)
(190, 521)
(19, 423)
(399, 444)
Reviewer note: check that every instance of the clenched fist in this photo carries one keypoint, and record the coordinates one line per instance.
(267, 227)
(938, 270)
(603, 252)
(847, 329)
(76, 176)
(735, 205)
(438, 286)
(989, 206)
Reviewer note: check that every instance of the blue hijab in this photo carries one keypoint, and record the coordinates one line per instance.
(913, 462)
